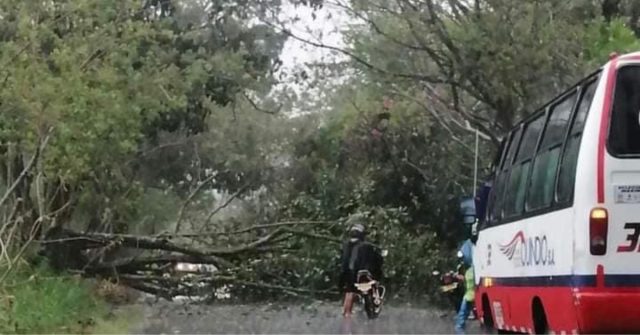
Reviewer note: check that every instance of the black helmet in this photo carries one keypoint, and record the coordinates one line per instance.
(357, 230)
(356, 227)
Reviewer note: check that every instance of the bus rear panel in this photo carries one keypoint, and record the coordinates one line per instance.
(609, 254)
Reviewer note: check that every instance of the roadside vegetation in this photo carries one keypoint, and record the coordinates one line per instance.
(37, 300)
(135, 134)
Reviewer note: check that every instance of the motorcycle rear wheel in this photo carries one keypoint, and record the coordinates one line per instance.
(370, 307)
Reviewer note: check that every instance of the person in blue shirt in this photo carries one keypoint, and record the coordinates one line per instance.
(466, 305)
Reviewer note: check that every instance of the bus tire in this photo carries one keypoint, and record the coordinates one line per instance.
(540, 323)
(487, 316)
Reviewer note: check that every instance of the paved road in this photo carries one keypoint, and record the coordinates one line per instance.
(317, 318)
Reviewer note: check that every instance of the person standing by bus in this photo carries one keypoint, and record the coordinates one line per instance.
(466, 305)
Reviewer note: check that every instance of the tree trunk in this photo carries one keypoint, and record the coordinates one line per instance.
(26, 210)
(59, 197)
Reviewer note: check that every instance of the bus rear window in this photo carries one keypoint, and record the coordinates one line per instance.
(624, 130)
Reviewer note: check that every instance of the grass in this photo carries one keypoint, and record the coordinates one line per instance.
(34, 300)
(119, 322)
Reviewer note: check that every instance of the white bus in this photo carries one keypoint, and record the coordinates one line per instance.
(558, 251)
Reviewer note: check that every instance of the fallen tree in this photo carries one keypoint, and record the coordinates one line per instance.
(152, 268)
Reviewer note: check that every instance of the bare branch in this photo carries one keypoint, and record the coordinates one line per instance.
(357, 58)
(249, 246)
(225, 204)
(11, 216)
(22, 250)
(253, 228)
(376, 27)
(258, 108)
(161, 146)
(443, 123)
(314, 236)
(137, 262)
(26, 170)
(95, 55)
(191, 196)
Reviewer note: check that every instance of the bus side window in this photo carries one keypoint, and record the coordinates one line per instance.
(513, 146)
(496, 165)
(567, 174)
(497, 206)
(496, 213)
(486, 221)
(517, 183)
(545, 166)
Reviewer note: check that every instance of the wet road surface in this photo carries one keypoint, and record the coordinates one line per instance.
(316, 318)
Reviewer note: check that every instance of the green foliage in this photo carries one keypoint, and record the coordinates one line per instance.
(110, 84)
(145, 101)
(417, 226)
(414, 252)
(449, 70)
(486, 65)
(343, 166)
(157, 210)
(603, 38)
(38, 301)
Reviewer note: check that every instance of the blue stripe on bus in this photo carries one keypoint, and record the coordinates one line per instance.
(568, 280)
(622, 280)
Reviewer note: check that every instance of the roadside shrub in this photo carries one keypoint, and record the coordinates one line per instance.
(34, 300)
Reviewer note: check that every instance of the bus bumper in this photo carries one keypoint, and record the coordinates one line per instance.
(608, 312)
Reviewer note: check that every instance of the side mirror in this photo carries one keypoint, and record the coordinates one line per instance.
(385, 252)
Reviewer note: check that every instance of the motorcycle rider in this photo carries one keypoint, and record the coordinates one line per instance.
(357, 254)
(465, 253)
(467, 303)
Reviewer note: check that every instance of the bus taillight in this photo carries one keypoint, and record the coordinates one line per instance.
(598, 228)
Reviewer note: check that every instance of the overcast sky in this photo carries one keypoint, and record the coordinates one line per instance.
(325, 27)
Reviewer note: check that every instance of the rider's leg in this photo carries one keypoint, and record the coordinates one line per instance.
(348, 304)
(463, 314)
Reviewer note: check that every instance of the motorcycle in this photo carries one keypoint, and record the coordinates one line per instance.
(452, 287)
(370, 292)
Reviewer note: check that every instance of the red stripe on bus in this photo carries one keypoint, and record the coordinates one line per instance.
(586, 310)
(604, 125)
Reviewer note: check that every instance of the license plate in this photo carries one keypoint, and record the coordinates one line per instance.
(450, 287)
(364, 287)
(627, 194)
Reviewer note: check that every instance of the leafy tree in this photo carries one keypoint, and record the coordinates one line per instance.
(603, 38)
(101, 81)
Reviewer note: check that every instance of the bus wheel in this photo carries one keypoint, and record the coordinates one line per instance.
(487, 317)
(540, 324)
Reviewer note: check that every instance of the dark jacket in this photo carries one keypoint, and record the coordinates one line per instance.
(356, 256)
